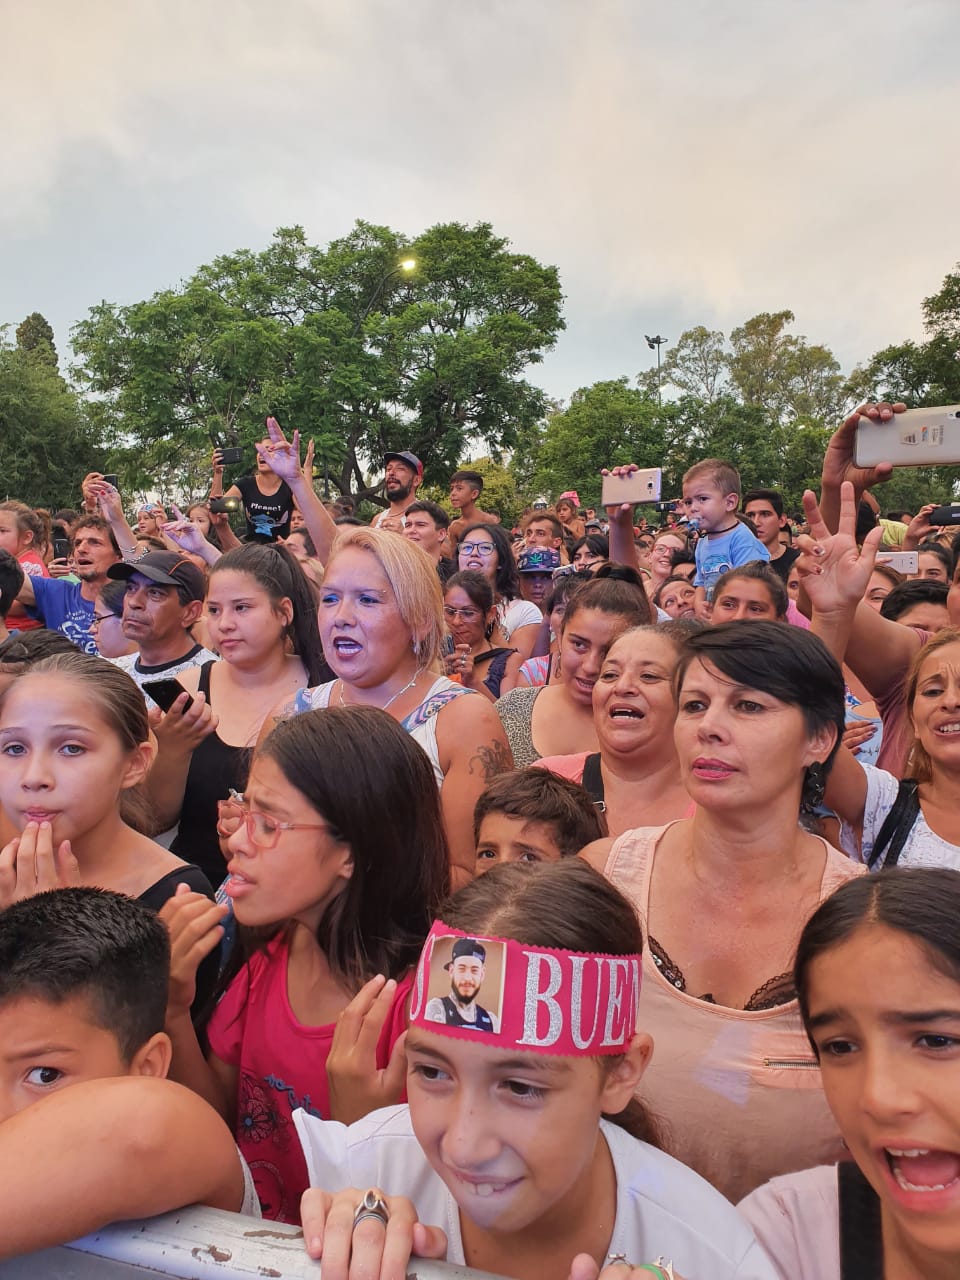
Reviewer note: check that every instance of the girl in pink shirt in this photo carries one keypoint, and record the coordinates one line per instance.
(21, 533)
(337, 861)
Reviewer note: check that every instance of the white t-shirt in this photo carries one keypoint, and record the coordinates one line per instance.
(663, 1208)
(923, 847)
(797, 1220)
(130, 663)
(517, 613)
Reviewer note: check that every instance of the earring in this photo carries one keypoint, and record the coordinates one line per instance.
(488, 631)
(416, 648)
(814, 784)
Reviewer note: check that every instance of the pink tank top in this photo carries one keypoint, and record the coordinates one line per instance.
(737, 1092)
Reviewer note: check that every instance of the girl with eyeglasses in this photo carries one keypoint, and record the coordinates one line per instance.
(334, 876)
(478, 661)
(486, 549)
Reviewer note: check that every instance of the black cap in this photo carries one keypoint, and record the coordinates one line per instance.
(168, 569)
(469, 947)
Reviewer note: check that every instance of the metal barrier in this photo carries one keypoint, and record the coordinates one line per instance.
(194, 1244)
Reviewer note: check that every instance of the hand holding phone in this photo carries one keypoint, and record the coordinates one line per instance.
(633, 487)
(915, 438)
(165, 693)
(229, 455)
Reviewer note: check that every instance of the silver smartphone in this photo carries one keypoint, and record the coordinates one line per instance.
(903, 561)
(916, 438)
(638, 486)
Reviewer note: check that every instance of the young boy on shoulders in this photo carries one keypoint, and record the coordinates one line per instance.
(711, 493)
(91, 1132)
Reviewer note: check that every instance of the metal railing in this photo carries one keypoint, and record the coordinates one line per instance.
(194, 1244)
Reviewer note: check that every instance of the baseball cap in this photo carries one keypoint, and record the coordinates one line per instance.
(408, 459)
(538, 560)
(468, 947)
(168, 569)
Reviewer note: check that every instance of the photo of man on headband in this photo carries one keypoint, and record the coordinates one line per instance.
(460, 1008)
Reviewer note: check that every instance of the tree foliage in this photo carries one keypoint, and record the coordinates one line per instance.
(339, 341)
(35, 335)
(46, 439)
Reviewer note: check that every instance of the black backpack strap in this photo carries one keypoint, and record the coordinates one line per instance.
(897, 825)
(861, 1240)
(592, 780)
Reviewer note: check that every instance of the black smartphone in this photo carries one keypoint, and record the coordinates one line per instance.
(165, 693)
(61, 548)
(230, 454)
(111, 480)
(219, 506)
(949, 514)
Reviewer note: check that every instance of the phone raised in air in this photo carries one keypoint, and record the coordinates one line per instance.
(903, 561)
(165, 693)
(221, 506)
(638, 486)
(916, 438)
(112, 480)
(230, 454)
(948, 514)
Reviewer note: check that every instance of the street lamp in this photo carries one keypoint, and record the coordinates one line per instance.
(407, 265)
(657, 342)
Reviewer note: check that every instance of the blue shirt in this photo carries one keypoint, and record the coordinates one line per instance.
(716, 555)
(61, 607)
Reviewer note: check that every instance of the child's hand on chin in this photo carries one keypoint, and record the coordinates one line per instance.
(30, 865)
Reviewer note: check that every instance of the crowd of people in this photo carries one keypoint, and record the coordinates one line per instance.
(573, 900)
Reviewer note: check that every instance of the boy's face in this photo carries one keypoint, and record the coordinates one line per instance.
(708, 506)
(505, 839)
(45, 1046)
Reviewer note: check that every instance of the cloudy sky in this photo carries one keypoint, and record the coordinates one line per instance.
(688, 162)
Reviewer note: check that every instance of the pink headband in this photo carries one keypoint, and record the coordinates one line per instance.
(507, 995)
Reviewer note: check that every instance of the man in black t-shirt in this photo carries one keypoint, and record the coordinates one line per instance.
(467, 966)
(765, 508)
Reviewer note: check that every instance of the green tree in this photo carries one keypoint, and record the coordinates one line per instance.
(35, 334)
(921, 373)
(696, 365)
(47, 441)
(781, 373)
(340, 342)
(604, 425)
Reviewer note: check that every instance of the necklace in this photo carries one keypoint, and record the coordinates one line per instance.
(390, 701)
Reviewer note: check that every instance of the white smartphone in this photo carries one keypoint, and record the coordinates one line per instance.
(639, 486)
(916, 438)
(903, 561)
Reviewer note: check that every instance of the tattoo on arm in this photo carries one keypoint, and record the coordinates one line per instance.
(286, 712)
(491, 760)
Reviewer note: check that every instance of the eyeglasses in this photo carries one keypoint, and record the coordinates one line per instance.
(102, 617)
(263, 830)
(467, 615)
(477, 548)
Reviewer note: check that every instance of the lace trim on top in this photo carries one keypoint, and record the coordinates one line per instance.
(774, 992)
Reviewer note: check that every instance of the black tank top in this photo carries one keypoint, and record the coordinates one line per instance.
(215, 767)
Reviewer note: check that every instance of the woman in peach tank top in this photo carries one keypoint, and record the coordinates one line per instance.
(724, 896)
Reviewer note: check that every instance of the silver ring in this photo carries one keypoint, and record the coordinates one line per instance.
(372, 1205)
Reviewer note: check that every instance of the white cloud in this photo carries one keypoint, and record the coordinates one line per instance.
(684, 163)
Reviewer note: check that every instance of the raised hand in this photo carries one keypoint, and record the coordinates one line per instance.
(283, 455)
(184, 727)
(357, 1085)
(370, 1249)
(186, 535)
(29, 864)
(838, 463)
(834, 570)
(919, 527)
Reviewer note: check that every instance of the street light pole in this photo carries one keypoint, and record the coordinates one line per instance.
(656, 341)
